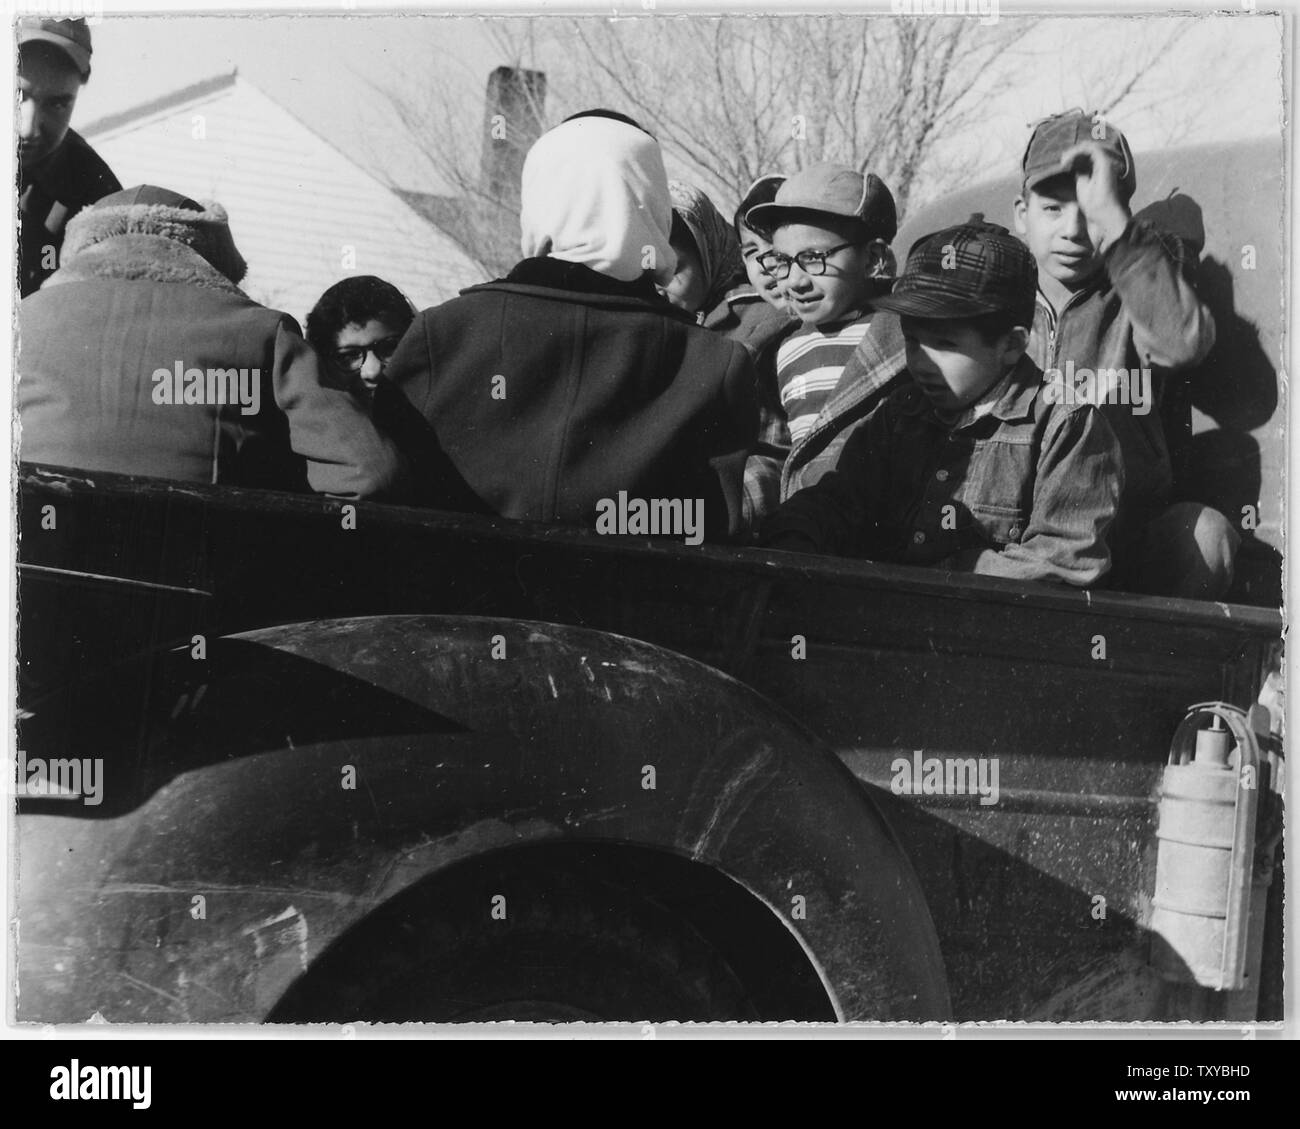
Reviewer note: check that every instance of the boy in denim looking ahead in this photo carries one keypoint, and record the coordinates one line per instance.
(968, 466)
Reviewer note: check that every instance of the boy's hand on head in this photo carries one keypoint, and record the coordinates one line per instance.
(1097, 189)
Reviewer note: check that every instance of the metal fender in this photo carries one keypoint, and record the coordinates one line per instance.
(259, 795)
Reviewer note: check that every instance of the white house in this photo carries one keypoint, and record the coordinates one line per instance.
(303, 213)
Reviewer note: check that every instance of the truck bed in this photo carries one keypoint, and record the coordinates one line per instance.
(1075, 695)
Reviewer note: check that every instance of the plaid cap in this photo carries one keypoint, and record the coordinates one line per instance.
(1055, 136)
(830, 190)
(72, 37)
(964, 271)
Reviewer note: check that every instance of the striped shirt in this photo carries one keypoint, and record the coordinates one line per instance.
(808, 366)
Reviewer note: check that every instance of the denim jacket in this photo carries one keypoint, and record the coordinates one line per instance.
(1140, 311)
(1028, 490)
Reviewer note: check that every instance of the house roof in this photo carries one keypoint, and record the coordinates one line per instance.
(163, 104)
(440, 209)
(304, 211)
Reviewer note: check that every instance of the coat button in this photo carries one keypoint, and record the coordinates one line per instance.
(919, 536)
(1013, 532)
(941, 475)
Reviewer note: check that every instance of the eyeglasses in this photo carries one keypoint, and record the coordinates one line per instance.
(353, 358)
(810, 262)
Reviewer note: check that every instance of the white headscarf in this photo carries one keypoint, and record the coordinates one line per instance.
(595, 192)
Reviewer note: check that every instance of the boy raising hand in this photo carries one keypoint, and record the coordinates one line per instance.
(1100, 192)
(1116, 317)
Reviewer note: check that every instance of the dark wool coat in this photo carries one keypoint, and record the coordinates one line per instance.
(558, 387)
(50, 194)
(131, 298)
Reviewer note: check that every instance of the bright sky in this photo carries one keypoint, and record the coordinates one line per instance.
(320, 68)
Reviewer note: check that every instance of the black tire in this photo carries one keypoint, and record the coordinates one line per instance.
(576, 943)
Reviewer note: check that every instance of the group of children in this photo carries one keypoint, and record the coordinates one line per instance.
(968, 445)
(1000, 406)
(929, 418)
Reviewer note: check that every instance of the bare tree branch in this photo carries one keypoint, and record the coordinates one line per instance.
(733, 98)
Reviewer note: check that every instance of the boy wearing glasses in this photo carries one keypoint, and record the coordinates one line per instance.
(969, 466)
(831, 228)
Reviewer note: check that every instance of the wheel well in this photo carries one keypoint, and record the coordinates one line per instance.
(750, 945)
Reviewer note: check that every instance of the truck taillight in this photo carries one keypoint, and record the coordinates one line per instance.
(1209, 796)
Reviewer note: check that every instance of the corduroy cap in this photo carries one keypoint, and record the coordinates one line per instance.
(70, 36)
(1055, 136)
(965, 271)
(830, 190)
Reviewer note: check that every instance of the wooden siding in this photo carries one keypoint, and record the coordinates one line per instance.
(296, 204)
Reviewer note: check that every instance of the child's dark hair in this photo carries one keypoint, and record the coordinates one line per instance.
(991, 327)
(356, 301)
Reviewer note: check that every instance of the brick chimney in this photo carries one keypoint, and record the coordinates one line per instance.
(512, 121)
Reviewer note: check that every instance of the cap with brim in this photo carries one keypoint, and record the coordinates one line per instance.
(72, 37)
(965, 271)
(920, 304)
(832, 191)
(762, 191)
(1056, 136)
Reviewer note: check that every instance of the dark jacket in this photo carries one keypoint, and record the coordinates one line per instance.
(1140, 311)
(557, 387)
(127, 308)
(1027, 490)
(746, 317)
(778, 469)
(50, 193)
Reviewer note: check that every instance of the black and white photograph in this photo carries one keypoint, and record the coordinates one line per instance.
(525, 521)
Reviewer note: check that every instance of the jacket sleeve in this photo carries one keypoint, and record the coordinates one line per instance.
(841, 512)
(1153, 273)
(738, 427)
(346, 456)
(762, 487)
(1076, 491)
(763, 467)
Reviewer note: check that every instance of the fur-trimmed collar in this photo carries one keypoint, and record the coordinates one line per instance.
(141, 258)
(98, 236)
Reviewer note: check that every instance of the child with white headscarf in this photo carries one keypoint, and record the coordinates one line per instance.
(595, 192)
(571, 380)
